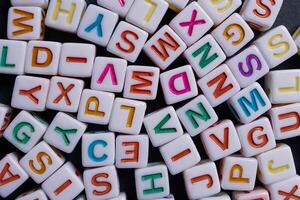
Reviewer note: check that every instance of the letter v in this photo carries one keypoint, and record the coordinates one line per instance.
(159, 127)
(223, 145)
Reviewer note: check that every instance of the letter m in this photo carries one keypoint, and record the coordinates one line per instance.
(248, 105)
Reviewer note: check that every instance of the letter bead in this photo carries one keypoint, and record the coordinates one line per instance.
(121, 7)
(177, 5)
(220, 196)
(257, 193)
(286, 189)
(5, 117)
(296, 37)
(37, 3)
(33, 194)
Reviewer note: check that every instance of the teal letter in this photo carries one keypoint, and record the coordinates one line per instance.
(25, 138)
(159, 127)
(153, 189)
(96, 24)
(204, 61)
(203, 115)
(91, 150)
(64, 133)
(4, 57)
(244, 102)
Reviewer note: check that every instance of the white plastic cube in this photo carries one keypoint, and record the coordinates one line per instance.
(286, 189)
(121, 7)
(257, 193)
(5, 117)
(33, 194)
(296, 37)
(220, 196)
(177, 5)
(37, 3)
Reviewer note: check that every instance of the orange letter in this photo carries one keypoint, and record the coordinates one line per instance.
(35, 52)
(202, 178)
(223, 145)
(181, 155)
(170, 43)
(264, 138)
(124, 36)
(104, 184)
(134, 152)
(137, 88)
(25, 28)
(292, 127)
(40, 161)
(220, 81)
(6, 176)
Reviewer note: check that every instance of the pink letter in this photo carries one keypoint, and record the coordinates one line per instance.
(185, 81)
(109, 68)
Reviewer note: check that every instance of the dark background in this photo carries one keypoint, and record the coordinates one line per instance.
(289, 16)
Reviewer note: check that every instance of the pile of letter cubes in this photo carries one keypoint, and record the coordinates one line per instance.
(224, 59)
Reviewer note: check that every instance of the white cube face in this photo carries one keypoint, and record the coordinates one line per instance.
(197, 115)
(177, 5)
(5, 117)
(132, 151)
(257, 193)
(36, 3)
(180, 154)
(127, 41)
(9, 49)
(41, 162)
(34, 194)
(296, 37)
(25, 23)
(248, 66)
(141, 82)
(30, 93)
(276, 165)
(64, 132)
(121, 7)
(220, 196)
(97, 25)
(277, 45)
(285, 189)
(220, 140)
(122, 196)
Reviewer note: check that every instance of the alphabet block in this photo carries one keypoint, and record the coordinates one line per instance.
(286, 121)
(141, 82)
(164, 47)
(257, 193)
(248, 66)
(163, 126)
(25, 23)
(98, 149)
(219, 85)
(202, 180)
(101, 183)
(122, 196)
(261, 15)
(120, 7)
(77, 59)
(9, 49)
(95, 106)
(97, 25)
(25, 131)
(180, 154)
(30, 93)
(152, 182)
(38, 3)
(5, 117)
(277, 45)
(238, 173)
(64, 94)
(296, 37)
(33, 194)
(220, 196)
(220, 140)
(170, 197)
(249, 103)
(276, 165)
(65, 183)
(42, 57)
(178, 84)
(147, 14)
(197, 115)
(287, 189)
(12, 175)
(127, 116)
(81, 197)
(256, 137)
(65, 15)
(127, 41)
(205, 55)
(64, 132)
(191, 23)
(109, 74)
(41, 161)
(233, 34)
(177, 5)
(132, 151)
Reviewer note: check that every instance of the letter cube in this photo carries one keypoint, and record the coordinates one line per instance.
(30, 93)
(33, 194)
(249, 103)
(95, 106)
(152, 182)
(127, 116)
(101, 183)
(233, 34)
(221, 140)
(277, 45)
(65, 183)
(164, 47)
(64, 94)
(64, 132)
(296, 37)
(109, 74)
(197, 115)
(41, 161)
(97, 25)
(147, 14)
(191, 23)
(256, 137)
(257, 193)
(37, 3)
(202, 180)
(248, 66)
(180, 154)
(286, 189)
(219, 85)
(285, 121)
(276, 165)
(25, 131)
(12, 175)
(220, 196)
(177, 5)
(5, 117)
(205, 55)
(65, 15)
(238, 173)
(170, 197)
(141, 82)
(163, 126)
(127, 41)
(77, 59)
(261, 15)
(25, 23)
(98, 149)
(9, 49)
(120, 7)
(122, 196)
(132, 151)
(178, 84)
